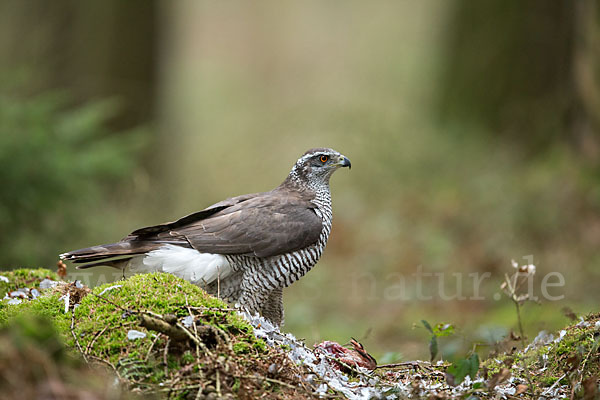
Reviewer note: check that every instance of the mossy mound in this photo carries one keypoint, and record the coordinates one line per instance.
(28, 279)
(552, 364)
(572, 358)
(163, 336)
(114, 310)
(24, 278)
(166, 338)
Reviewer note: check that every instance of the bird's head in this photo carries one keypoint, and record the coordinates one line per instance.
(317, 165)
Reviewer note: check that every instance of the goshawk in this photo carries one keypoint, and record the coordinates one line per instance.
(245, 249)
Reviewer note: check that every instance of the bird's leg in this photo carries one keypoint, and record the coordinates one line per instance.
(252, 301)
(255, 292)
(227, 289)
(272, 309)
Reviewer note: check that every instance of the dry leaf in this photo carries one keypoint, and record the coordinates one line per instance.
(499, 377)
(61, 269)
(521, 389)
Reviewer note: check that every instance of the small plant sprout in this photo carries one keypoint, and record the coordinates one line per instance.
(512, 287)
(438, 330)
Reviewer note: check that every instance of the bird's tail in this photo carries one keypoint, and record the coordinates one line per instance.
(113, 254)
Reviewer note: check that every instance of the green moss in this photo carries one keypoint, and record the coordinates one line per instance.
(101, 326)
(24, 278)
(187, 358)
(158, 293)
(236, 385)
(260, 345)
(46, 305)
(576, 337)
(553, 360)
(548, 380)
(100, 323)
(241, 348)
(286, 347)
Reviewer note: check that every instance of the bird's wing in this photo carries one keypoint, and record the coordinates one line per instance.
(188, 219)
(267, 225)
(261, 225)
(149, 238)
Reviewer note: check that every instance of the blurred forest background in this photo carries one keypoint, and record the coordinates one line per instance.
(473, 129)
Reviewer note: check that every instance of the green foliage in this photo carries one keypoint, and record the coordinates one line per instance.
(427, 325)
(236, 385)
(259, 345)
(56, 164)
(440, 330)
(457, 372)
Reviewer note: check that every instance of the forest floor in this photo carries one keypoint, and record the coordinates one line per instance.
(159, 337)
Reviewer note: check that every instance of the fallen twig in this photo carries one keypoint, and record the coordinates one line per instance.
(272, 380)
(151, 347)
(159, 325)
(350, 367)
(165, 353)
(91, 343)
(420, 364)
(75, 337)
(107, 363)
(203, 308)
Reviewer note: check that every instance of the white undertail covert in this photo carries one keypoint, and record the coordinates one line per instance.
(198, 268)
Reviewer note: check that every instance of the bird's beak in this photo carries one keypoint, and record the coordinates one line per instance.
(345, 162)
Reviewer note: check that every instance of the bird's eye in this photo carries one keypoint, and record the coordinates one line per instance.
(324, 159)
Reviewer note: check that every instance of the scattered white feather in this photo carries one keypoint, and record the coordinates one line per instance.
(582, 323)
(3, 279)
(132, 334)
(47, 284)
(66, 298)
(21, 292)
(109, 289)
(367, 386)
(561, 335)
(188, 321)
(542, 339)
